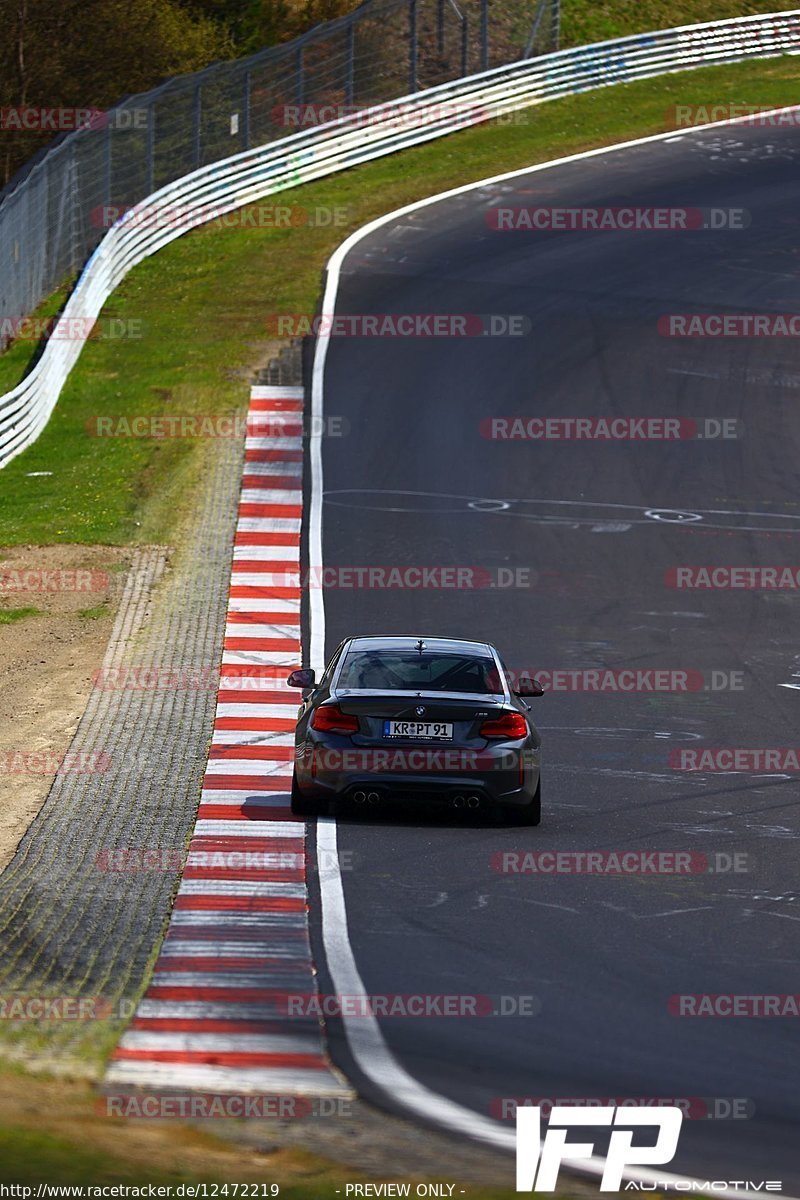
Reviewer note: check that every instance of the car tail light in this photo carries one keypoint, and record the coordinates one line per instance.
(509, 725)
(329, 718)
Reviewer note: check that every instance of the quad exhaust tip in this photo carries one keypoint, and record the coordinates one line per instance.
(460, 801)
(457, 801)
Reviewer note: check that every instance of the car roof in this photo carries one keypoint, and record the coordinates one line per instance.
(442, 644)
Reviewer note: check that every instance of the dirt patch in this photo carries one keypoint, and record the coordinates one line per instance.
(57, 607)
(311, 1158)
(70, 1111)
(247, 1150)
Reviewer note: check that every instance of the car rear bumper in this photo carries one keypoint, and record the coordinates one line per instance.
(474, 792)
(333, 767)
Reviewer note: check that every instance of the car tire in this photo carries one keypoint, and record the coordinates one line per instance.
(301, 805)
(531, 814)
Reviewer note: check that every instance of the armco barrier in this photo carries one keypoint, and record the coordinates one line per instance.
(223, 186)
(53, 210)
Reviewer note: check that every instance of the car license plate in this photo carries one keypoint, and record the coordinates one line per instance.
(438, 731)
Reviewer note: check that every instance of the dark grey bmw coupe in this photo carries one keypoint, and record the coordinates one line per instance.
(425, 719)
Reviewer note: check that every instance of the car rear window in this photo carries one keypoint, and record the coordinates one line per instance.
(407, 670)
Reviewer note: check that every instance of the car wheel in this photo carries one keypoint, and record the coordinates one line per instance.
(301, 805)
(531, 814)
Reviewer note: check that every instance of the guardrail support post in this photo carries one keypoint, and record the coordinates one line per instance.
(412, 45)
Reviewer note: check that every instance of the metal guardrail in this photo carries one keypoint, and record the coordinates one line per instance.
(224, 186)
(56, 209)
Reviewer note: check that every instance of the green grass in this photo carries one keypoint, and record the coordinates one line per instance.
(585, 21)
(8, 616)
(95, 614)
(30, 1156)
(202, 305)
(60, 1135)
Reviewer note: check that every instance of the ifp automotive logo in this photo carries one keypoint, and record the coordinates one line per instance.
(539, 1159)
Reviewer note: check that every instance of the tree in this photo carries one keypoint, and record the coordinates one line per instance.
(89, 53)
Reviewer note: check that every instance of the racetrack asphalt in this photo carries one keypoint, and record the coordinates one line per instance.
(598, 526)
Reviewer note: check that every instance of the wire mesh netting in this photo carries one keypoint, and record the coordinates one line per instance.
(54, 212)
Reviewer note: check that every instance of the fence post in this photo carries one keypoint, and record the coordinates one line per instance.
(197, 115)
(150, 149)
(107, 166)
(484, 35)
(246, 111)
(412, 45)
(349, 86)
(464, 43)
(74, 190)
(300, 85)
(440, 26)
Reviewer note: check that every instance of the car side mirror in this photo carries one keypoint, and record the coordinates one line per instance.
(304, 678)
(528, 687)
